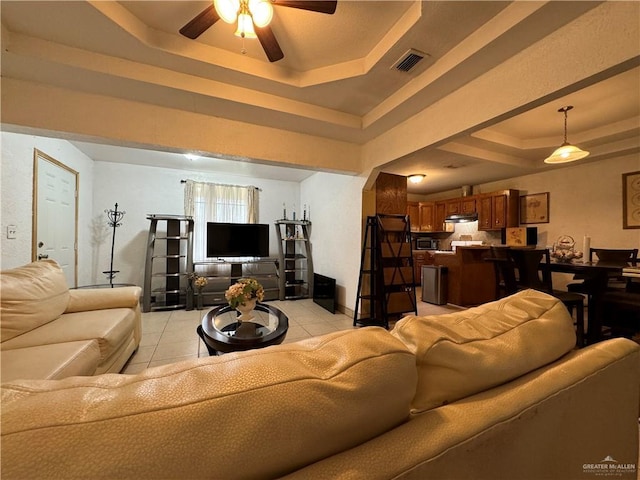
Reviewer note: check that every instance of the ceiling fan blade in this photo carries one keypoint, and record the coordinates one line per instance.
(322, 6)
(200, 23)
(269, 43)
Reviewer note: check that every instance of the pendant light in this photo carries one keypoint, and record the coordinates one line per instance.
(566, 152)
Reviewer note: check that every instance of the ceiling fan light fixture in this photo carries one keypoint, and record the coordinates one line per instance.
(566, 152)
(416, 177)
(261, 11)
(227, 9)
(245, 26)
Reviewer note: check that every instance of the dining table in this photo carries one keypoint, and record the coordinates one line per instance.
(597, 275)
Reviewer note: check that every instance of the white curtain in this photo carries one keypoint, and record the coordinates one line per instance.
(212, 202)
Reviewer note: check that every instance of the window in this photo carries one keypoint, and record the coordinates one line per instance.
(212, 202)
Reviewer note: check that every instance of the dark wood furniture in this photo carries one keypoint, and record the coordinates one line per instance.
(470, 278)
(533, 272)
(598, 273)
(623, 307)
(504, 270)
(605, 255)
(221, 332)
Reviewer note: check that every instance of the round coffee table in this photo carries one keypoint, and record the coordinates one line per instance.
(221, 331)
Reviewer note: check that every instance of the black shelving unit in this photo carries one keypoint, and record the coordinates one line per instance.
(386, 282)
(169, 260)
(295, 262)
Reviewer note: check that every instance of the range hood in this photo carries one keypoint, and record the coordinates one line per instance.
(461, 218)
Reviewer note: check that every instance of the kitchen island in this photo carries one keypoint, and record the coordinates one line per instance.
(470, 277)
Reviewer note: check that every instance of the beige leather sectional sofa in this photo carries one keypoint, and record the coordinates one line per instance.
(51, 332)
(493, 392)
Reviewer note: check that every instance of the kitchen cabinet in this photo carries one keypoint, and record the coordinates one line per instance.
(413, 210)
(440, 213)
(468, 205)
(421, 216)
(420, 258)
(498, 210)
(470, 277)
(426, 216)
(453, 206)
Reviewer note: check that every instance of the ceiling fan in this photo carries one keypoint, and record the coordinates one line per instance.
(250, 21)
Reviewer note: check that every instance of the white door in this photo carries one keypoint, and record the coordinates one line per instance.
(55, 214)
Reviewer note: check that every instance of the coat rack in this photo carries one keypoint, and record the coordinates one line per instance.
(115, 218)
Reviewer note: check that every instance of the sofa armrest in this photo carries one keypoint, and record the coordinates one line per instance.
(82, 300)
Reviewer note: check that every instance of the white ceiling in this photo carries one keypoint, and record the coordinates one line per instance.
(335, 80)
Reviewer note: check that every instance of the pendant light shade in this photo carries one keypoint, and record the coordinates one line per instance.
(566, 152)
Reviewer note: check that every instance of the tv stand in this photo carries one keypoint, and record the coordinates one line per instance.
(223, 272)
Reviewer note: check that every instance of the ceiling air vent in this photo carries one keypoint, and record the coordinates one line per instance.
(409, 60)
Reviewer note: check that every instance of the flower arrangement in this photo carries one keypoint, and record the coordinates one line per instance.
(197, 281)
(244, 290)
(200, 282)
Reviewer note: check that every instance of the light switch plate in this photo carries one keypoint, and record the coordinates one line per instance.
(12, 231)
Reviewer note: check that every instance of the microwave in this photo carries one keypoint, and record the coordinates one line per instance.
(425, 243)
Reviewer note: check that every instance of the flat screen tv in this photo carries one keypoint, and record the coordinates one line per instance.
(237, 239)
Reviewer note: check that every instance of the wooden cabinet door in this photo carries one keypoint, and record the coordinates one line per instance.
(453, 206)
(485, 213)
(439, 216)
(468, 205)
(414, 215)
(499, 211)
(426, 216)
(418, 261)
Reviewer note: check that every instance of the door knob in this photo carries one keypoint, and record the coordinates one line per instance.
(42, 256)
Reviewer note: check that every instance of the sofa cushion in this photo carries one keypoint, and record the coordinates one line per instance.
(59, 360)
(32, 295)
(254, 414)
(110, 328)
(466, 352)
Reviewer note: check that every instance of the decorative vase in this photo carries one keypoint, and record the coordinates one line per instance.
(189, 299)
(245, 309)
(199, 300)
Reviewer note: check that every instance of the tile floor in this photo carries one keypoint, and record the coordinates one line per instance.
(170, 336)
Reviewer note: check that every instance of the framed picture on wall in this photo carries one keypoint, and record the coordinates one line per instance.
(534, 208)
(631, 200)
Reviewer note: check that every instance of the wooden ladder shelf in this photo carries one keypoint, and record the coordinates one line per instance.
(386, 283)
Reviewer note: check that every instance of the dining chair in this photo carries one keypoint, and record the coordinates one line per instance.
(623, 310)
(531, 265)
(505, 271)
